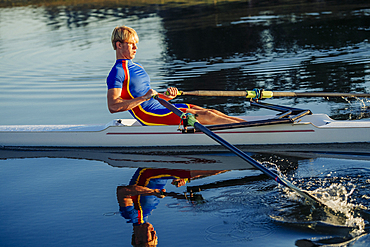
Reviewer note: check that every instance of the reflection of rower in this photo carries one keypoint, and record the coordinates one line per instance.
(141, 196)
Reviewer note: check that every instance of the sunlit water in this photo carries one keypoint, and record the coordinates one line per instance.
(54, 60)
(53, 65)
(73, 202)
(341, 186)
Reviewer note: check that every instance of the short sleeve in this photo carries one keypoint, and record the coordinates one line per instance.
(115, 78)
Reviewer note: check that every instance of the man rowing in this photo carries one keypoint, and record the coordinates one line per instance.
(140, 197)
(129, 89)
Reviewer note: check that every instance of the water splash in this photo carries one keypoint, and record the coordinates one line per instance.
(337, 198)
(358, 108)
(338, 210)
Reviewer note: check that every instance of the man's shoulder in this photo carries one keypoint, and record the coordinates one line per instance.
(115, 76)
(138, 64)
(116, 70)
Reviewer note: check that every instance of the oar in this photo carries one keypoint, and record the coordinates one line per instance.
(193, 122)
(261, 94)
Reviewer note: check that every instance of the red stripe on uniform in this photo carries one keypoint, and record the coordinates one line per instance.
(125, 85)
(168, 119)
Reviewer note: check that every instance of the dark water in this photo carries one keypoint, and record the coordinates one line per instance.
(68, 202)
(54, 59)
(53, 63)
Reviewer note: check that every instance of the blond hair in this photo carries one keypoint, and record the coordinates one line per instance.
(123, 34)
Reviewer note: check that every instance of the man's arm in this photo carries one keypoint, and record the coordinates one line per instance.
(117, 104)
(124, 193)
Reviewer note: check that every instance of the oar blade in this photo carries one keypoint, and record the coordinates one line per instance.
(310, 198)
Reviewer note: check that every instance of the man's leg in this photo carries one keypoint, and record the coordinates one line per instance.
(210, 116)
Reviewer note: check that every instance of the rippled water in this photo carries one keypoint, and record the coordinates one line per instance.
(344, 190)
(59, 201)
(53, 63)
(54, 59)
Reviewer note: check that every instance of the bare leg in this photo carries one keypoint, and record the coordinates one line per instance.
(210, 116)
(195, 107)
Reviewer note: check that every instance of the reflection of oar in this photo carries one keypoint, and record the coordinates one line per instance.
(331, 241)
(193, 122)
(226, 183)
(198, 198)
(261, 94)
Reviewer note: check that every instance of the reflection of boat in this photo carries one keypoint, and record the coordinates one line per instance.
(116, 158)
(292, 126)
(216, 158)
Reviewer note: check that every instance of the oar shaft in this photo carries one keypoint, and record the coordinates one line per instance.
(254, 163)
(269, 94)
(224, 143)
(319, 94)
(169, 106)
(238, 152)
(247, 94)
(215, 93)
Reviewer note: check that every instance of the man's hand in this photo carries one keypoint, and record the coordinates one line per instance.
(159, 193)
(150, 94)
(178, 182)
(171, 92)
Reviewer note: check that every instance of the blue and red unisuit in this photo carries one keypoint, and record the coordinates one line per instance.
(154, 179)
(135, 82)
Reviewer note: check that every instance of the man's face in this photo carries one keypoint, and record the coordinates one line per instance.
(128, 49)
(145, 234)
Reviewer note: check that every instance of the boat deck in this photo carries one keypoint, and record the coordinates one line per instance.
(81, 127)
(317, 120)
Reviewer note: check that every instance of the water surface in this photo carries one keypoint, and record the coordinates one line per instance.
(54, 59)
(59, 202)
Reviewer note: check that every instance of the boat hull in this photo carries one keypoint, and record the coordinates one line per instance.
(311, 129)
